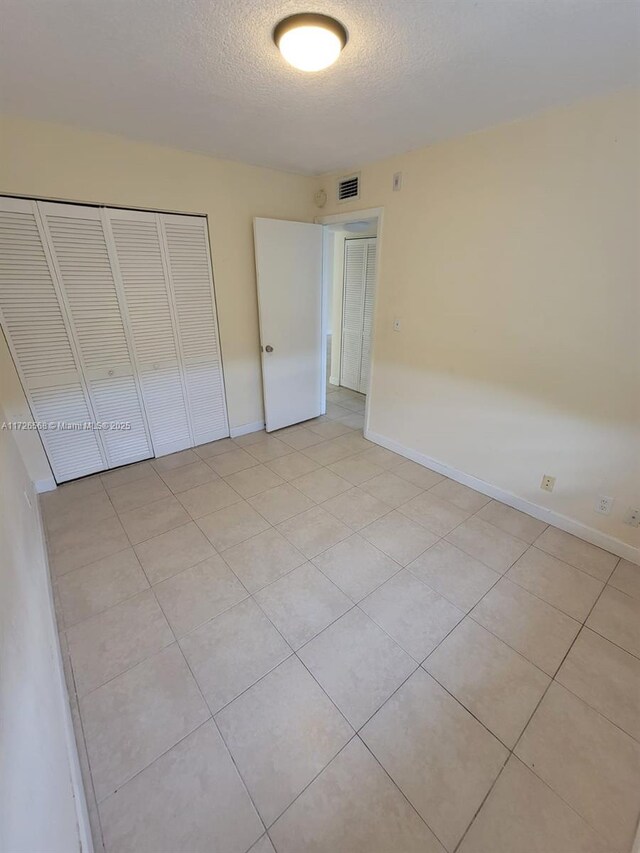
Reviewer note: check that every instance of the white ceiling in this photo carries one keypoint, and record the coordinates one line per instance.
(204, 75)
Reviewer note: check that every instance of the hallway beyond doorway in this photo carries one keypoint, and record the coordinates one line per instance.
(344, 405)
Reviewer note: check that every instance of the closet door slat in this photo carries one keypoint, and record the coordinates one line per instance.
(144, 279)
(187, 247)
(34, 324)
(80, 253)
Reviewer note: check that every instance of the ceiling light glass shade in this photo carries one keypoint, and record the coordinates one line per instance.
(357, 227)
(310, 42)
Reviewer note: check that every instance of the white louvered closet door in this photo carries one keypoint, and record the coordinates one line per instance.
(37, 333)
(352, 313)
(357, 312)
(186, 242)
(83, 265)
(367, 324)
(137, 243)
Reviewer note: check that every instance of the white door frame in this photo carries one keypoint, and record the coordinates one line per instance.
(343, 218)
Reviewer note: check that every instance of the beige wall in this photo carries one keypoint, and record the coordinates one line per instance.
(512, 258)
(37, 791)
(43, 159)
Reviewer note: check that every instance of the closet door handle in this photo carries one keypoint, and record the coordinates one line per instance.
(269, 348)
(109, 372)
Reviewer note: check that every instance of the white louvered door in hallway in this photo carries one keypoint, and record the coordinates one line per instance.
(357, 312)
(110, 317)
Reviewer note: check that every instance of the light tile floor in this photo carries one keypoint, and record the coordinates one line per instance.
(304, 642)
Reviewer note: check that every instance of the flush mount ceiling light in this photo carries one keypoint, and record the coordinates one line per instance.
(310, 42)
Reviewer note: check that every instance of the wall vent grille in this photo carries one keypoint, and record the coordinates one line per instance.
(349, 188)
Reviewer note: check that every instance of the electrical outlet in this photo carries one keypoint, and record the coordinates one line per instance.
(548, 482)
(604, 504)
(632, 517)
(397, 181)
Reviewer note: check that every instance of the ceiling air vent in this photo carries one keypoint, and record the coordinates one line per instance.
(349, 188)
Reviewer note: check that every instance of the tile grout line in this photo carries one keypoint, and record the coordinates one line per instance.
(552, 679)
(351, 738)
(512, 751)
(617, 645)
(482, 803)
(151, 763)
(212, 717)
(148, 657)
(398, 788)
(262, 677)
(597, 710)
(418, 665)
(506, 576)
(257, 681)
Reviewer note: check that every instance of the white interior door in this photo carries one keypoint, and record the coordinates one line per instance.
(289, 278)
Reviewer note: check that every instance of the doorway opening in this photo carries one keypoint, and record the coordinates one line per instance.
(350, 278)
(316, 285)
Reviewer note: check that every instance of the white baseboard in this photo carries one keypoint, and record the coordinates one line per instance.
(245, 429)
(334, 380)
(563, 522)
(47, 485)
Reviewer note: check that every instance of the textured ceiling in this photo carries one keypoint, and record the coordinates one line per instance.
(204, 75)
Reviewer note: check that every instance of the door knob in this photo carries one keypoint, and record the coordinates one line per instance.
(269, 349)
